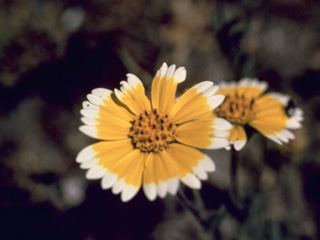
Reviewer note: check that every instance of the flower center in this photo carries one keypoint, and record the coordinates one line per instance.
(237, 109)
(152, 131)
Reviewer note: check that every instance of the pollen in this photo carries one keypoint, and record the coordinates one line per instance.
(237, 109)
(152, 131)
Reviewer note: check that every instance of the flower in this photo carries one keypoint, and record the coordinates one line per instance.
(271, 114)
(152, 144)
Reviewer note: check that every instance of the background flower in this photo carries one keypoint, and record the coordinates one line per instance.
(268, 113)
(152, 143)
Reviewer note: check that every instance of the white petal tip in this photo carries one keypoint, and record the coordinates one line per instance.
(239, 144)
(108, 180)
(217, 143)
(150, 190)
(222, 124)
(91, 131)
(207, 164)
(95, 172)
(128, 193)
(101, 92)
(85, 154)
(215, 101)
(191, 181)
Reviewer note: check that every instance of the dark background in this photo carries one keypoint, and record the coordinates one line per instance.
(53, 53)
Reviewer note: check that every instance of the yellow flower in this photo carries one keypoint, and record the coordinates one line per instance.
(268, 113)
(152, 144)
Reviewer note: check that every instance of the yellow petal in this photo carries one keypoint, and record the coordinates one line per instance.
(238, 137)
(237, 133)
(130, 168)
(181, 159)
(109, 152)
(164, 87)
(163, 169)
(133, 95)
(196, 103)
(111, 125)
(157, 169)
(119, 158)
(250, 88)
(196, 134)
(106, 118)
(270, 116)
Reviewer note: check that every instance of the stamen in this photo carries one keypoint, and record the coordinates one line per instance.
(152, 131)
(237, 109)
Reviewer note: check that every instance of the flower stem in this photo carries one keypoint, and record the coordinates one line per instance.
(233, 191)
(196, 208)
(199, 203)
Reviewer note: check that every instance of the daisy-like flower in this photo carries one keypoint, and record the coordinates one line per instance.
(152, 144)
(268, 113)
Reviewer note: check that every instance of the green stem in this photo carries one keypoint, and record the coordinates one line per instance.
(196, 208)
(199, 203)
(234, 195)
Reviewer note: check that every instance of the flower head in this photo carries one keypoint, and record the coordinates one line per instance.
(268, 113)
(152, 143)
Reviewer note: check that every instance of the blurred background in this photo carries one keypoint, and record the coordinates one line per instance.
(53, 53)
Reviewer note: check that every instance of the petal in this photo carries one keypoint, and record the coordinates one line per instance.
(251, 88)
(105, 151)
(201, 134)
(200, 173)
(125, 164)
(118, 186)
(150, 190)
(108, 180)
(163, 169)
(89, 164)
(285, 135)
(101, 92)
(218, 143)
(130, 168)
(239, 144)
(87, 104)
(90, 131)
(117, 163)
(108, 121)
(162, 189)
(95, 100)
(157, 169)
(89, 121)
(96, 172)
(196, 103)
(191, 181)
(280, 137)
(173, 185)
(295, 120)
(282, 98)
(86, 154)
(207, 164)
(133, 95)
(222, 124)
(184, 160)
(268, 104)
(196, 134)
(164, 87)
(129, 192)
(271, 120)
(238, 137)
